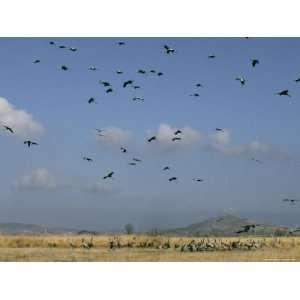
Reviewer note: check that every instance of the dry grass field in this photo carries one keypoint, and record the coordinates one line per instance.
(70, 248)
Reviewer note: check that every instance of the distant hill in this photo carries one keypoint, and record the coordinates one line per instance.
(227, 226)
(21, 228)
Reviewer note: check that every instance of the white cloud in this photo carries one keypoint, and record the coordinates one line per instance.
(165, 133)
(99, 188)
(114, 135)
(19, 120)
(37, 179)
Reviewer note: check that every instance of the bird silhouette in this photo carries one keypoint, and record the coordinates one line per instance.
(121, 43)
(172, 179)
(254, 62)
(141, 71)
(176, 139)
(138, 99)
(211, 56)
(119, 72)
(92, 68)
(110, 90)
(73, 49)
(124, 150)
(169, 50)
(62, 47)
(128, 82)
(220, 129)
(92, 100)
(136, 159)
(177, 132)
(30, 143)
(153, 138)
(292, 201)
(36, 61)
(109, 175)
(132, 164)
(64, 68)
(297, 80)
(198, 179)
(246, 228)
(242, 80)
(166, 168)
(256, 160)
(152, 71)
(160, 74)
(195, 95)
(284, 93)
(104, 83)
(136, 87)
(87, 159)
(8, 128)
(199, 85)
(52, 43)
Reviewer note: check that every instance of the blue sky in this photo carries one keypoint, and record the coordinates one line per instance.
(50, 184)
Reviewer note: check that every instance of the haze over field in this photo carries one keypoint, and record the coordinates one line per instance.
(247, 168)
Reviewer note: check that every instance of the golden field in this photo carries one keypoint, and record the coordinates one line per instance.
(70, 248)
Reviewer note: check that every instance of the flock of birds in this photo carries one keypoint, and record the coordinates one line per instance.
(178, 134)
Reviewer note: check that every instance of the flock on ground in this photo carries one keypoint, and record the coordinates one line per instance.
(129, 83)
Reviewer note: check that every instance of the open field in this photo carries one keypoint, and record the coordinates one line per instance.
(142, 248)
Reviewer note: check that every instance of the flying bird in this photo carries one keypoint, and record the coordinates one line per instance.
(128, 82)
(297, 80)
(160, 73)
(92, 100)
(64, 68)
(166, 168)
(198, 179)
(109, 175)
(242, 80)
(132, 164)
(62, 47)
(141, 71)
(124, 150)
(176, 139)
(256, 160)
(199, 85)
(138, 99)
(121, 43)
(136, 87)
(30, 143)
(36, 61)
(152, 71)
(52, 43)
(177, 132)
(153, 138)
(87, 159)
(73, 49)
(292, 201)
(195, 95)
(211, 56)
(220, 129)
(254, 62)
(119, 72)
(110, 90)
(169, 50)
(136, 159)
(8, 128)
(172, 179)
(104, 83)
(284, 93)
(92, 68)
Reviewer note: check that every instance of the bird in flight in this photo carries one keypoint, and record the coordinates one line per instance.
(109, 175)
(195, 95)
(254, 62)
(136, 87)
(104, 83)
(284, 93)
(132, 164)
(124, 150)
(52, 43)
(172, 179)
(8, 128)
(256, 160)
(242, 80)
(297, 80)
(141, 71)
(128, 82)
(292, 201)
(62, 47)
(166, 168)
(152, 71)
(160, 73)
(30, 143)
(64, 68)
(199, 85)
(136, 159)
(198, 179)
(176, 139)
(92, 100)
(220, 129)
(121, 43)
(153, 138)
(87, 159)
(169, 50)
(73, 49)
(138, 99)
(36, 61)
(110, 90)
(92, 68)
(177, 132)
(211, 56)
(247, 228)
(119, 72)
